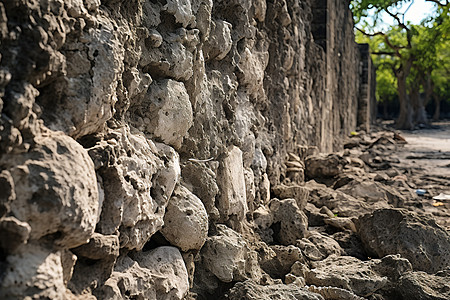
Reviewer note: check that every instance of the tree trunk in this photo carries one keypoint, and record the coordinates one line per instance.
(405, 120)
(419, 112)
(437, 108)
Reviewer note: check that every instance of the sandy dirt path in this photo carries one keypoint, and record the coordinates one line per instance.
(425, 160)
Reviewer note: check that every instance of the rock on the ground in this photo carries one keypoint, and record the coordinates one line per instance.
(318, 246)
(185, 221)
(289, 222)
(323, 166)
(340, 203)
(156, 274)
(420, 285)
(346, 272)
(297, 192)
(416, 237)
(249, 290)
(373, 192)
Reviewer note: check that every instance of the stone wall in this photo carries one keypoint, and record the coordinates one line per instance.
(128, 126)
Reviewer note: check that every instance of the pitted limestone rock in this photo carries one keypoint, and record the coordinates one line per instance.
(138, 183)
(219, 42)
(228, 256)
(165, 112)
(416, 237)
(185, 221)
(56, 190)
(35, 272)
(157, 274)
(290, 223)
(233, 199)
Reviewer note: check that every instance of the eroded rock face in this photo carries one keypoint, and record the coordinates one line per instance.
(417, 238)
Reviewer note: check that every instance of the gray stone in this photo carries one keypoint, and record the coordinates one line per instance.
(228, 256)
(99, 247)
(33, 271)
(297, 192)
(318, 246)
(346, 272)
(165, 112)
(231, 180)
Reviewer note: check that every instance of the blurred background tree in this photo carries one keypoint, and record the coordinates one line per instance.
(412, 60)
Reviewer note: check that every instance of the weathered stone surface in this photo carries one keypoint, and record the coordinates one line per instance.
(233, 199)
(228, 256)
(99, 247)
(56, 190)
(156, 274)
(373, 192)
(289, 222)
(13, 233)
(297, 192)
(417, 238)
(318, 246)
(249, 290)
(140, 84)
(33, 271)
(278, 265)
(339, 203)
(137, 187)
(346, 272)
(185, 221)
(165, 112)
(420, 285)
(323, 166)
(219, 41)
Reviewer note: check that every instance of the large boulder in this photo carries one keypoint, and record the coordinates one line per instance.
(418, 238)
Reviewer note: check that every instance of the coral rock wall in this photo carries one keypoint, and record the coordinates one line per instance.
(129, 129)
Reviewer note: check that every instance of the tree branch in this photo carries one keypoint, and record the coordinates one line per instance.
(438, 2)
